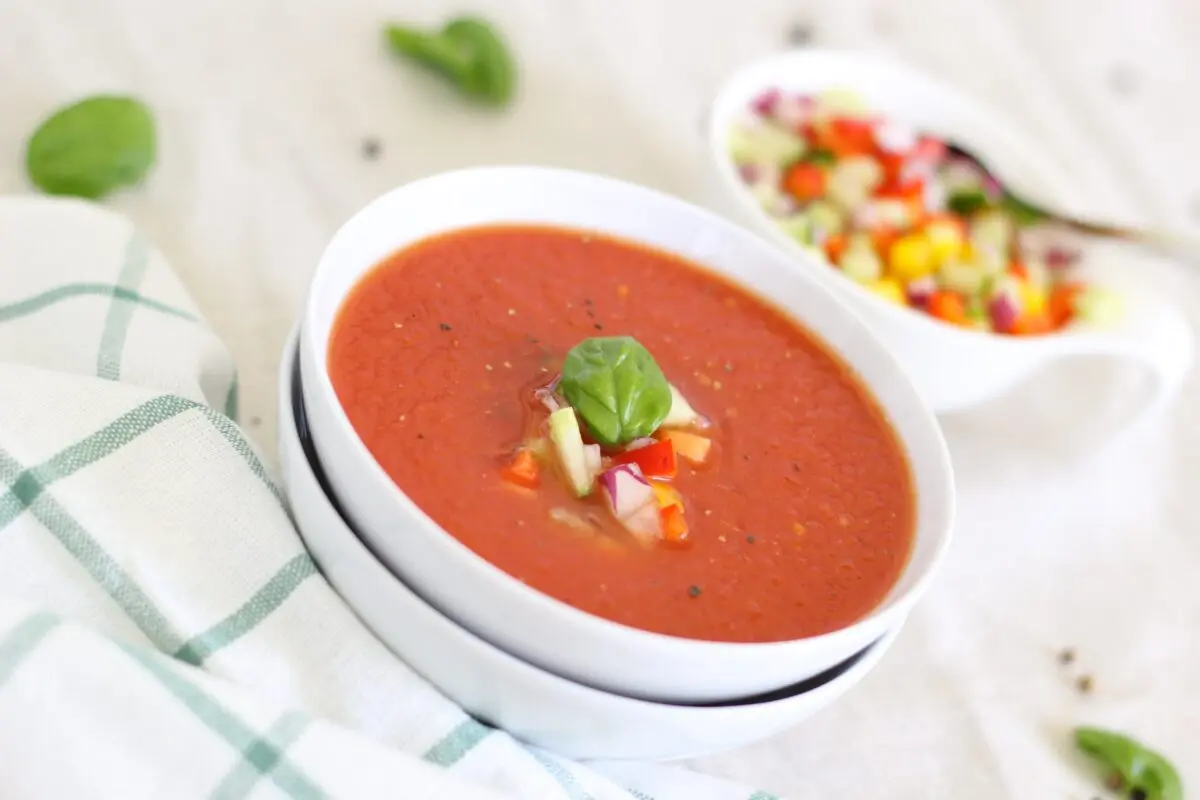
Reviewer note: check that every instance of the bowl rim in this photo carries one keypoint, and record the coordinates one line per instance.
(295, 427)
(826, 59)
(587, 624)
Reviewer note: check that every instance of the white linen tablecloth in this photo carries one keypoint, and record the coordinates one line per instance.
(263, 109)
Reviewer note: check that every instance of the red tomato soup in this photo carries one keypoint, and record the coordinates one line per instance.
(799, 520)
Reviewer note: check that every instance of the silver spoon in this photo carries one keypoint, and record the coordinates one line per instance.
(1174, 244)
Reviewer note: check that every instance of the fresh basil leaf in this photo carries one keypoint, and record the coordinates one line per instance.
(616, 387)
(1143, 772)
(1023, 213)
(820, 156)
(92, 147)
(467, 51)
(967, 201)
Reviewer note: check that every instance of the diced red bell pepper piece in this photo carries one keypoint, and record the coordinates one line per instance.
(655, 460)
(804, 181)
(847, 136)
(1061, 305)
(522, 470)
(912, 193)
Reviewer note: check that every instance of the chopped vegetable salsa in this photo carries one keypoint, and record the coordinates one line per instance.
(654, 472)
(906, 216)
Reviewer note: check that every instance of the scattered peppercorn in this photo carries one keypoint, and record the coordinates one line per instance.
(598, 326)
(795, 467)
(255, 422)
(371, 148)
(1114, 781)
(1085, 684)
(750, 539)
(800, 34)
(444, 326)
(1137, 793)
(420, 436)
(693, 591)
(1066, 656)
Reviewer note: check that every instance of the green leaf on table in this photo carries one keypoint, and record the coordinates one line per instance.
(1130, 766)
(616, 387)
(467, 51)
(92, 147)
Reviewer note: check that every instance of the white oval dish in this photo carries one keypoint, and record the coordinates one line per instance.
(505, 611)
(532, 704)
(953, 368)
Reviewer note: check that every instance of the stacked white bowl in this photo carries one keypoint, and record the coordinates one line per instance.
(547, 672)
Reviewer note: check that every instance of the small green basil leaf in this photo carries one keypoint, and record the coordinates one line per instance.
(616, 387)
(92, 147)
(468, 51)
(1138, 767)
(967, 201)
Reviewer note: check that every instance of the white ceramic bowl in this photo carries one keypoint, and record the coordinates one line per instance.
(953, 368)
(505, 611)
(532, 704)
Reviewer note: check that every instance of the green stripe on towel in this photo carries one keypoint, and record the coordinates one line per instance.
(120, 311)
(455, 745)
(270, 597)
(261, 757)
(23, 640)
(265, 758)
(50, 297)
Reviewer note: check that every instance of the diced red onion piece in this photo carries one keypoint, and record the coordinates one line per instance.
(766, 102)
(783, 206)
(934, 196)
(793, 111)
(1059, 257)
(896, 137)
(645, 524)
(920, 290)
(626, 488)
(751, 173)
(1003, 310)
(547, 398)
(991, 187)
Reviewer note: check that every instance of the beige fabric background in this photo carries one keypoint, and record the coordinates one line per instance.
(263, 107)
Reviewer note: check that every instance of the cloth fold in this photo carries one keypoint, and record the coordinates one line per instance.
(163, 632)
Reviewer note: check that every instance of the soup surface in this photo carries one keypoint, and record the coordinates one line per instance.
(799, 521)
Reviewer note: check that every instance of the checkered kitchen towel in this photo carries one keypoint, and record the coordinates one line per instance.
(163, 632)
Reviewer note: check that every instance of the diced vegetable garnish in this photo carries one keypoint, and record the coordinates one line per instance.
(568, 444)
(666, 494)
(655, 460)
(681, 414)
(638, 449)
(690, 446)
(572, 520)
(901, 215)
(632, 500)
(522, 470)
(674, 526)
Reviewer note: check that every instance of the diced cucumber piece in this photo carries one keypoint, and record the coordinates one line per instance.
(568, 443)
(1099, 306)
(825, 217)
(967, 279)
(992, 230)
(860, 263)
(765, 143)
(681, 413)
(798, 226)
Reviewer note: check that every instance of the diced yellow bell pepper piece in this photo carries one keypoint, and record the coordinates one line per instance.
(945, 240)
(911, 257)
(888, 289)
(666, 494)
(1033, 299)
